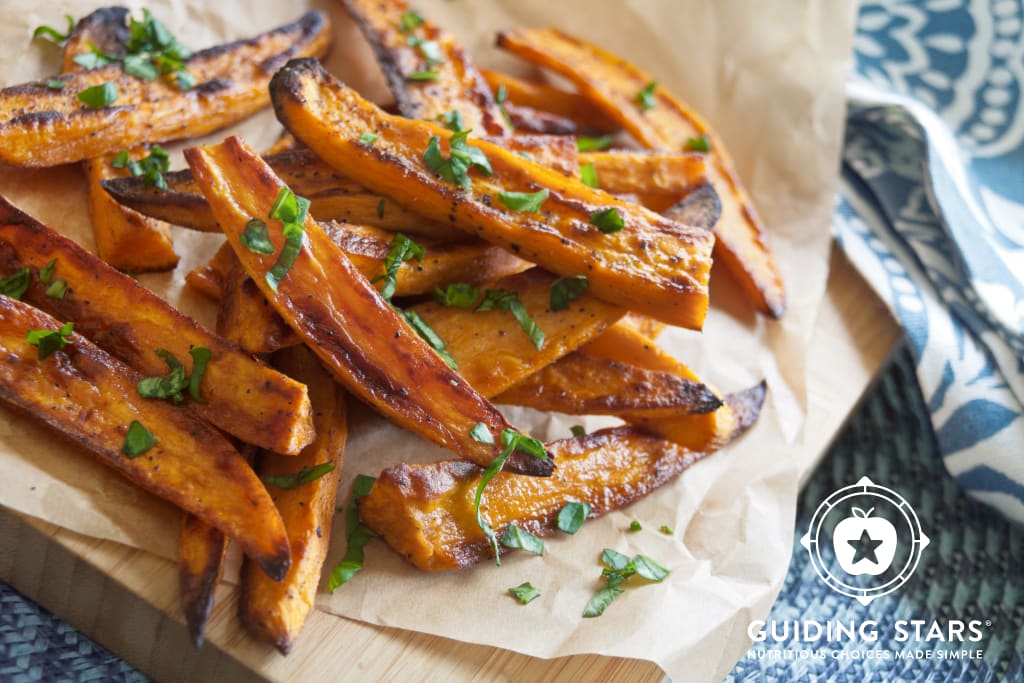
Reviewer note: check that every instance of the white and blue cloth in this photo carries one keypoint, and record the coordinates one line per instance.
(931, 211)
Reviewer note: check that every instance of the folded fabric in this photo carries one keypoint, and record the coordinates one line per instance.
(932, 214)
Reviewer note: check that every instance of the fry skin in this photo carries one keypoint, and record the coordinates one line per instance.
(343, 318)
(243, 397)
(653, 265)
(91, 398)
(44, 127)
(201, 552)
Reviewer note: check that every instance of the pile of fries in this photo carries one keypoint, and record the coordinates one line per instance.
(493, 241)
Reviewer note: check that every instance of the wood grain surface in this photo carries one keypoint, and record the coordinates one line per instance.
(128, 600)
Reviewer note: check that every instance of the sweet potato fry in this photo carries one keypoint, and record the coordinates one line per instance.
(344, 320)
(275, 611)
(530, 120)
(209, 278)
(428, 72)
(90, 397)
(653, 265)
(660, 174)
(581, 384)
(124, 238)
(493, 353)
(246, 318)
(201, 552)
(573, 106)
(425, 512)
(243, 397)
(614, 85)
(44, 127)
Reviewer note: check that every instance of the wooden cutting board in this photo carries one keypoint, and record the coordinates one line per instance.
(128, 600)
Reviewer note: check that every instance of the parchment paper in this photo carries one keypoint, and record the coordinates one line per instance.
(769, 77)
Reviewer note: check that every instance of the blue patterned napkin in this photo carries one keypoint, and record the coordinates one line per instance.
(932, 213)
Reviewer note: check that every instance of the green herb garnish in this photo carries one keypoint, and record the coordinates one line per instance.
(423, 75)
(588, 175)
(151, 167)
(368, 138)
(153, 50)
(666, 529)
(527, 202)
(618, 569)
(427, 333)
(52, 34)
(57, 289)
(410, 20)
(645, 98)
(514, 537)
(402, 249)
(200, 359)
(46, 272)
(452, 120)
(635, 526)
(508, 300)
(500, 97)
(99, 96)
(578, 430)
(295, 479)
(455, 169)
(585, 144)
(49, 341)
(524, 592)
(291, 210)
(55, 84)
(356, 535)
(137, 440)
(94, 58)
(572, 515)
(255, 237)
(457, 294)
(481, 433)
(16, 285)
(607, 221)
(566, 289)
(169, 387)
(702, 143)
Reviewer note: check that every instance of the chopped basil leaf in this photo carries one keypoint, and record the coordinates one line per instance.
(122, 159)
(614, 560)
(431, 51)
(585, 144)
(94, 58)
(255, 237)
(524, 593)
(666, 529)
(356, 536)
(57, 288)
(16, 285)
(380, 208)
(186, 81)
(428, 334)
(452, 120)
(423, 75)
(508, 300)
(55, 84)
(500, 97)
(607, 221)
(527, 202)
(141, 67)
(200, 359)
(578, 430)
(295, 479)
(701, 143)
(602, 598)
(410, 20)
(457, 294)
(49, 341)
(137, 440)
(566, 289)
(46, 272)
(455, 169)
(514, 537)
(401, 250)
(368, 138)
(517, 441)
(291, 210)
(645, 98)
(151, 167)
(481, 433)
(635, 526)
(153, 50)
(649, 569)
(588, 175)
(572, 515)
(99, 96)
(485, 479)
(52, 34)
(169, 387)
(289, 207)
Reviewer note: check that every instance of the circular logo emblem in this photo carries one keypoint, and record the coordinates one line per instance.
(865, 541)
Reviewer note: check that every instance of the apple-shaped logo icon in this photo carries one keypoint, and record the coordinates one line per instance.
(864, 544)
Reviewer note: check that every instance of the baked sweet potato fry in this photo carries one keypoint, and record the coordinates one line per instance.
(274, 611)
(344, 320)
(201, 552)
(573, 106)
(425, 512)
(652, 264)
(246, 318)
(243, 397)
(530, 120)
(649, 174)
(581, 384)
(209, 278)
(40, 126)
(124, 238)
(90, 398)
(615, 85)
(428, 72)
